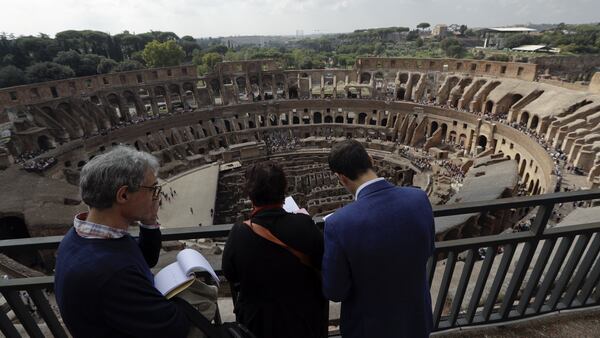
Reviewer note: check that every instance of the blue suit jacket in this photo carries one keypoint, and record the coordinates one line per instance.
(376, 249)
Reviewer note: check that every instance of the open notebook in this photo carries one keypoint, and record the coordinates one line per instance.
(177, 276)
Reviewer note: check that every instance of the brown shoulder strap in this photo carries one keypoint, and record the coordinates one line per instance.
(268, 235)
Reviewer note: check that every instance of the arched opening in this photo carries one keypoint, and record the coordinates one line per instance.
(362, 117)
(403, 78)
(444, 131)
(523, 166)
(12, 227)
(524, 118)
(295, 120)
(400, 94)
(317, 117)
(44, 143)
(534, 122)
(518, 157)
(293, 92)
(462, 140)
(339, 119)
(215, 86)
(328, 119)
(384, 122)
(489, 105)
(365, 78)
(434, 127)
(452, 137)
(482, 141)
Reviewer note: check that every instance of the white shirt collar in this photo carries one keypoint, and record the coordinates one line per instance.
(365, 184)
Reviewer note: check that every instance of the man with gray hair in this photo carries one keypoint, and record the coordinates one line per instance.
(103, 283)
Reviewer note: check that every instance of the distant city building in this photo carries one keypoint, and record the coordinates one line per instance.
(496, 37)
(440, 30)
(536, 49)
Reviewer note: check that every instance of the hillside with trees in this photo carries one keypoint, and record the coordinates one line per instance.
(30, 59)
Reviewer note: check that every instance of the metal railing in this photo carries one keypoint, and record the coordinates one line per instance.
(540, 270)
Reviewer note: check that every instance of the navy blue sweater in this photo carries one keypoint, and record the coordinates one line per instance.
(104, 288)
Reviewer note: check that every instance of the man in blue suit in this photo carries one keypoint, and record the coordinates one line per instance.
(376, 250)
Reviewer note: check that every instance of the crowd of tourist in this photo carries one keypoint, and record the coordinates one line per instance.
(454, 170)
(278, 142)
(40, 164)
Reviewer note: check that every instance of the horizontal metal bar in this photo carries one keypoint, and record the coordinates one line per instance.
(515, 202)
(222, 230)
(27, 283)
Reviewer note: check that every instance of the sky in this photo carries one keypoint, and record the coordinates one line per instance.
(214, 18)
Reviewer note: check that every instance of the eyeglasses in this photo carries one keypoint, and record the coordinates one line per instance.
(156, 190)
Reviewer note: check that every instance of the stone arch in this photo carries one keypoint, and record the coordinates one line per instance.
(524, 120)
(482, 141)
(403, 78)
(317, 117)
(362, 118)
(215, 86)
(444, 131)
(522, 166)
(400, 93)
(433, 128)
(44, 142)
(293, 92)
(534, 122)
(328, 119)
(339, 119)
(365, 78)
(462, 140)
(132, 104)
(227, 125)
(489, 106)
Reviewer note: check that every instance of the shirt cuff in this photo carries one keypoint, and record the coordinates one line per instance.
(151, 227)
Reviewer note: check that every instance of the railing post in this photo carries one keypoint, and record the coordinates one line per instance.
(541, 219)
(537, 228)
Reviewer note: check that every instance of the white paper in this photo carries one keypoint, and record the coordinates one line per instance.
(192, 261)
(169, 278)
(290, 205)
(182, 270)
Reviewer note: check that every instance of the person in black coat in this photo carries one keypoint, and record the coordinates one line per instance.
(275, 294)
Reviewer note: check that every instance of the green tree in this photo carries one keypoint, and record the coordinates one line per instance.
(412, 35)
(519, 40)
(423, 25)
(11, 76)
(452, 47)
(128, 65)
(463, 29)
(163, 54)
(89, 64)
(47, 71)
(106, 66)
(211, 59)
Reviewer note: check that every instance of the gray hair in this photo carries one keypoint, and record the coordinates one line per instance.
(103, 175)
